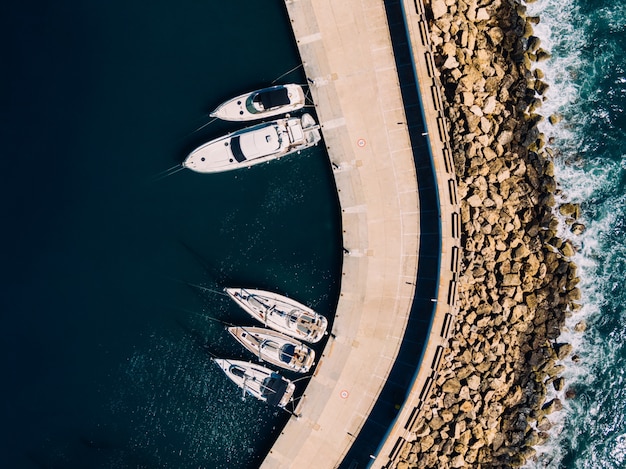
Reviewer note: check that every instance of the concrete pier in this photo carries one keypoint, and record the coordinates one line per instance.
(354, 79)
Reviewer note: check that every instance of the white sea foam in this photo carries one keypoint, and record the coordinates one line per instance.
(618, 453)
(585, 427)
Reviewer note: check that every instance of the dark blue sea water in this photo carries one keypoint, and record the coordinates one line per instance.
(587, 76)
(103, 342)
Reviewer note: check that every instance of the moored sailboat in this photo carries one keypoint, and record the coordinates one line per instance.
(281, 313)
(258, 381)
(275, 348)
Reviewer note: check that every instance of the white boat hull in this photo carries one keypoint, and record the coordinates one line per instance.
(262, 104)
(254, 145)
(258, 381)
(275, 348)
(281, 313)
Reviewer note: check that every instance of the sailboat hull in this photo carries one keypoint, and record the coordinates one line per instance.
(281, 313)
(258, 381)
(275, 348)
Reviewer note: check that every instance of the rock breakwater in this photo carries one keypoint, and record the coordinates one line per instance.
(518, 283)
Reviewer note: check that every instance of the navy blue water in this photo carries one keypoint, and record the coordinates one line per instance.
(103, 339)
(587, 77)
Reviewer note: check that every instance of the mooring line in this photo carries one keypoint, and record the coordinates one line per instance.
(170, 172)
(201, 127)
(287, 73)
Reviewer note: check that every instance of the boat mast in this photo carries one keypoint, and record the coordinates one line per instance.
(260, 348)
(243, 387)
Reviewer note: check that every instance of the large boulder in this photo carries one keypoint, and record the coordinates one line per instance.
(439, 8)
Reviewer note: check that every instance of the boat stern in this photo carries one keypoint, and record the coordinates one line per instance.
(319, 329)
(303, 360)
(296, 96)
(311, 130)
(288, 396)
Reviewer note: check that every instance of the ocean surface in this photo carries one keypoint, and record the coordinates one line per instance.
(112, 271)
(587, 78)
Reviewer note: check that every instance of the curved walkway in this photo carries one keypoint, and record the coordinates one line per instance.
(349, 60)
(417, 37)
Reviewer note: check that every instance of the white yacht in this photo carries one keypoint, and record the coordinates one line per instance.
(275, 348)
(263, 103)
(258, 381)
(281, 313)
(253, 145)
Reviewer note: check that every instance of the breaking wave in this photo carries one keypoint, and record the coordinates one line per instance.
(587, 79)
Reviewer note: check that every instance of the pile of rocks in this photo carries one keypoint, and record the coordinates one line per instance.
(517, 283)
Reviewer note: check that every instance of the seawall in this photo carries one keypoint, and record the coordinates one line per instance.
(487, 406)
